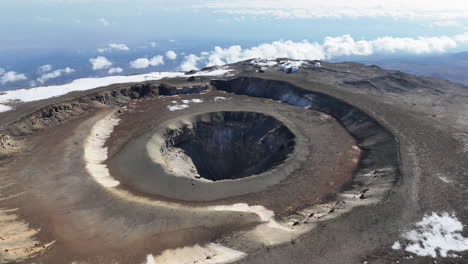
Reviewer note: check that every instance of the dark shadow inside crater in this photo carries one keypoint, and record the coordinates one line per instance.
(232, 145)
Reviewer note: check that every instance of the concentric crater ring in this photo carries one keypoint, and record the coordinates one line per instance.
(147, 163)
(142, 164)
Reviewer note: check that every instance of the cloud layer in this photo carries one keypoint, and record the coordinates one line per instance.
(143, 63)
(330, 48)
(12, 76)
(112, 47)
(293, 9)
(171, 55)
(100, 63)
(54, 74)
(44, 68)
(115, 70)
(190, 62)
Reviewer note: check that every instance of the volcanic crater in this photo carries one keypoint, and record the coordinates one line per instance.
(249, 167)
(232, 145)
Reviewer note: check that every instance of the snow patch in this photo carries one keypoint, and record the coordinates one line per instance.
(396, 246)
(211, 253)
(44, 92)
(435, 234)
(95, 153)
(197, 101)
(177, 107)
(220, 98)
(264, 62)
(4, 108)
(185, 104)
(150, 259)
(265, 215)
(444, 179)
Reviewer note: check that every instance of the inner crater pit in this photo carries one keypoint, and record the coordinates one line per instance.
(226, 145)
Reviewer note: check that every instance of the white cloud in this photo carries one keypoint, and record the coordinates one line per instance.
(157, 60)
(55, 74)
(446, 23)
(461, 38)
(346, 45)
(12, 76)
(190, 62)
(293, 9)
(171, 55)
(114, 47)
(2, 71)
(154, 44)
(115, 70)
(140, 63)
(104, 22)
(44, 68)
(100, 63)
(143, 63)
(331, 47)
(289, 49)
(119, 46)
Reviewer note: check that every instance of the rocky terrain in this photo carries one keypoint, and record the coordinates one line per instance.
(335, 163)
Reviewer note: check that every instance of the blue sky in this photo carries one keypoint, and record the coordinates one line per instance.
(67, 34)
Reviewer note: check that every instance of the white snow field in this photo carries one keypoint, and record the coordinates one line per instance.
(45, 92)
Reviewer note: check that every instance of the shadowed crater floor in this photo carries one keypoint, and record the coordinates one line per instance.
(232, 145)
